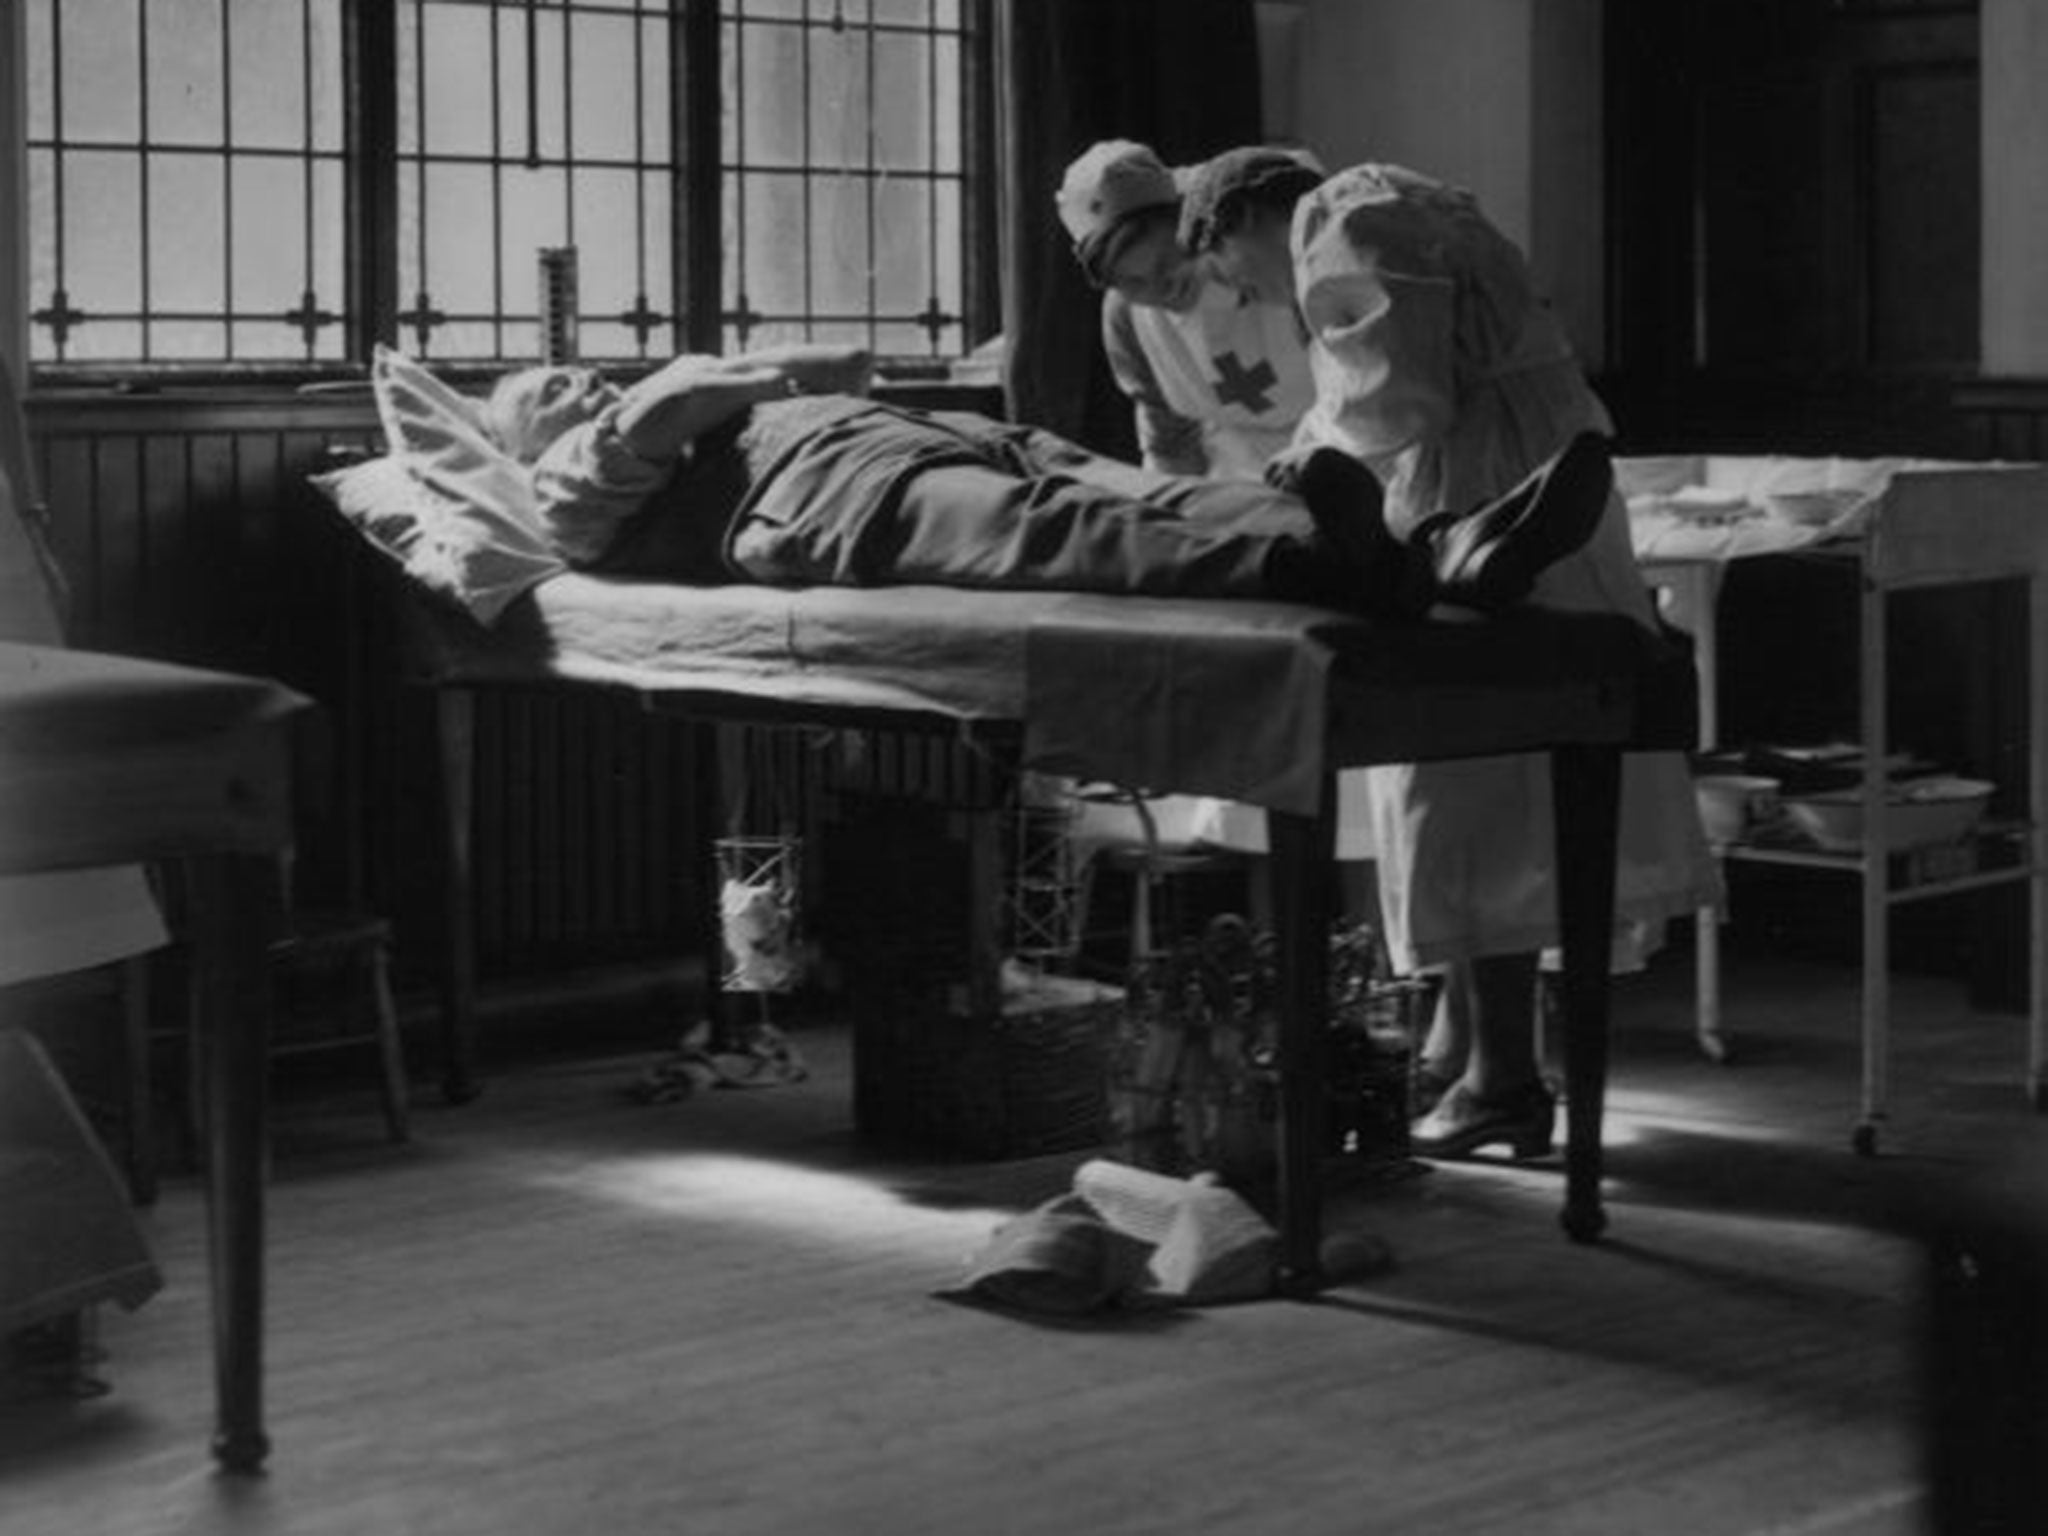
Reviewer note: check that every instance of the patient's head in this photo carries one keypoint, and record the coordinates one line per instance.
(529, 409)
(1121, 205)
(1238, 211)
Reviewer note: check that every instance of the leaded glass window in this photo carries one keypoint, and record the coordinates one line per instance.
(274, 184)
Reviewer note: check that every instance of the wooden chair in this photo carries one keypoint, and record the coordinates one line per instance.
(330, 988)
(352, 950)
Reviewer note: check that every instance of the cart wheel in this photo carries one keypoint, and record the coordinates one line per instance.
(1717, 1047)
(1865, 1140)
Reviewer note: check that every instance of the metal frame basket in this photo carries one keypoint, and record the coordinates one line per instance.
(1193, 1070)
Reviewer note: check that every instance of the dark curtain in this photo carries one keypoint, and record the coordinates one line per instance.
(1180, 75)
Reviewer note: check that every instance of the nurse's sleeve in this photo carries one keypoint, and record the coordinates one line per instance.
(1383, 356)
(1167, 441)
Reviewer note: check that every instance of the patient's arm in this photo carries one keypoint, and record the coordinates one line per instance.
(596, 476)
(817, 368)
(662, 413)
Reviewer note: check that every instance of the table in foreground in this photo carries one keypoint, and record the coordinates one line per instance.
(114, 760)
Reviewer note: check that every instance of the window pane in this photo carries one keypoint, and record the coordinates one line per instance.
(551, 75)
(188, 233)
(949, 243)
(769, 261)
(38, 64)
(659, 254)
(269, 235)
(410, 273)
(773, 333)
(856, 333)
(186, 101)
(842, 261)
(330, 205)
(536, 215)
(768, 129)
(839, 98)
(266, 73)
(101, 71)
(949, 108)
(903, 276)
(43, 274)
(911, 341)
(902, 133)
(607, 340)
(181, 341)
(461, 258)
(656, 60)
(601, 87)
(408, 81)
(472, 340)
(324, 45)
(457, 49)
(102, 233)
(103, 340)
(607, 241)
(265, 341)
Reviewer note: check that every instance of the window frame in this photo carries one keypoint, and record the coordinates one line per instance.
(370, 260)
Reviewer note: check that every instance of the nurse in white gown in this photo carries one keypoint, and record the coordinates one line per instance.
(1438, 364)
(1218, 383)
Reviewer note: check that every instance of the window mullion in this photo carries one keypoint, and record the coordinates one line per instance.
(370, 80)
(695, 203)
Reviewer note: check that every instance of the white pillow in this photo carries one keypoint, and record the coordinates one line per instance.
(465, 549)
(441, 435)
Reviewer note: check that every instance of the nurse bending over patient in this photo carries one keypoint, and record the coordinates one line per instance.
(775, 467)
(1441, 367)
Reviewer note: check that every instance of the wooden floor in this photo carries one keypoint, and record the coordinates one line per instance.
(560, 1312)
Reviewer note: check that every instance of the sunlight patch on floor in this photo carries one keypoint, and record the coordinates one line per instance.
(764, 1193)
(1633, 1113)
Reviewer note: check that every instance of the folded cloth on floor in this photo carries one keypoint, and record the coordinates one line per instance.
(1126, 1237)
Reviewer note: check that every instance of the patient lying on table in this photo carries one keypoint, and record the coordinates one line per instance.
(775, 467)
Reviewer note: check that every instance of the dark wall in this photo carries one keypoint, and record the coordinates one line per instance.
(1794, 223)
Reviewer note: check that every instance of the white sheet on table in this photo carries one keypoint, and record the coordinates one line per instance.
(1667, 495)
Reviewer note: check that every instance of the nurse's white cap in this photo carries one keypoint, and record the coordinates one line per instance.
(1111, 181)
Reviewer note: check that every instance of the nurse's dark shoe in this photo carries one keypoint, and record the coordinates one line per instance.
(1524, 1121)
(1382, 577)
(1489, 558)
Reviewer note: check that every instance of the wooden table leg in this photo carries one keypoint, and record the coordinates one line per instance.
(1586, 791)
(236, 906)
(1302, 853)
(455, 746)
